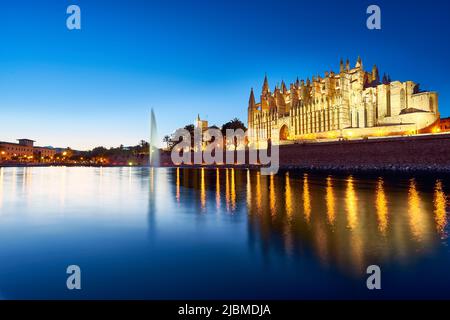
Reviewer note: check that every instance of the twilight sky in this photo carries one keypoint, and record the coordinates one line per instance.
(96, 86)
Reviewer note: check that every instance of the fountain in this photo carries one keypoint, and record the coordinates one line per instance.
(153, 142)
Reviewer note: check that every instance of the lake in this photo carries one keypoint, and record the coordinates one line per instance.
(168, 233)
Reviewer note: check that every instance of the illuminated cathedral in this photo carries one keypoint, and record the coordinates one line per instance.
(353, 103)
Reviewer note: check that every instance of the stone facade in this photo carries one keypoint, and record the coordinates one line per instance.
(353, 103)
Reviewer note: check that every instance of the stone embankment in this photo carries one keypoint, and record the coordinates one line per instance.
(426, 153)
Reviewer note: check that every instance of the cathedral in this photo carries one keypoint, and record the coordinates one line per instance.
(353, 103)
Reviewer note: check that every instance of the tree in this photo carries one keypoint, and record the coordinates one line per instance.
(234, 124)
(167, 140)
(190, 128)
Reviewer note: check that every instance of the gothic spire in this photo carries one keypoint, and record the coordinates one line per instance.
(283, 87)
(265, 85)
(251, 100)
(375, 74)
(359, 63)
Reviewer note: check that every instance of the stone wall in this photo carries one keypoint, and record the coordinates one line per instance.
(431, 152)
(427, 152)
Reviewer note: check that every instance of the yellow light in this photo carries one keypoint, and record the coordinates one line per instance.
(332, 135)
(130, 163)
(350, 133)
(436, 130)
(3, 152)
(64, 153)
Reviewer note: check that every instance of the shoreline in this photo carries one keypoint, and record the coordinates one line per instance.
(415, 155)
(339, 170)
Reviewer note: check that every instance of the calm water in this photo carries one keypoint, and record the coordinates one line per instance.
(186, 234)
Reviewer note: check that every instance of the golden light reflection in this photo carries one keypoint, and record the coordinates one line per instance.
(416, 217)
(440, 206)
(217, 188)
(289, 208)
(227, 190)
(258, 191)
(351, 204)
(381, 207)
(202, 189)
(178, 185)
(233, 190)
(331, 214)
(249, 190)
(306, 198)
(272, 197)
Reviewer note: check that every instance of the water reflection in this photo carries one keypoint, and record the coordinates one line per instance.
(306, 199)
(440, 206)
(284, 236)
(178, 185)
(258, 192)
(381, 207)
(272, 197)
(202, 190)
(227, 190)
(344, 221)
(417, 218)
(233, 191)
(351, 204)
(331, 212)
(217, 188)
(1, 187)
(289, 207)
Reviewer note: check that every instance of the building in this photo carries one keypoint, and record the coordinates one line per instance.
(25, 151)
(351, 103)
(444, 125)
(201, 124)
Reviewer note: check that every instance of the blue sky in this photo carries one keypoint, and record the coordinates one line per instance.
(96, 86)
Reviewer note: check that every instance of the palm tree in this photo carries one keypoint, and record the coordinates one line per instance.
(166, 140)
(233, 124)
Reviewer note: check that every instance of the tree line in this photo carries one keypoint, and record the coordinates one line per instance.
(233, 124)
